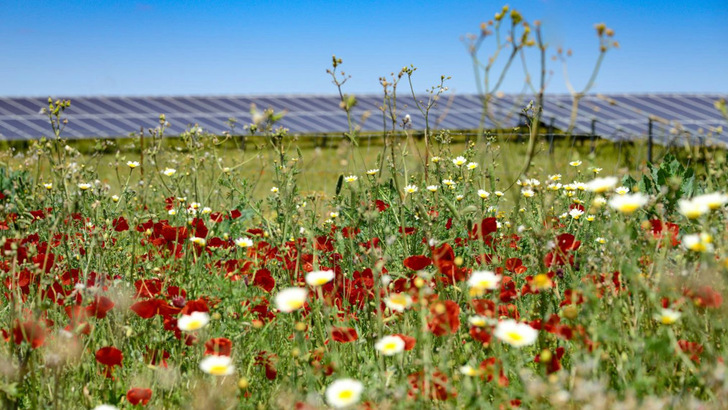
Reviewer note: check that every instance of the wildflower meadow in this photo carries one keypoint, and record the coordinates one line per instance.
(427, 277)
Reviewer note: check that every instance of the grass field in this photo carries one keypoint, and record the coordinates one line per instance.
(321, 166)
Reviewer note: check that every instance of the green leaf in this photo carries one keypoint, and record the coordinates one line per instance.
(629, 182)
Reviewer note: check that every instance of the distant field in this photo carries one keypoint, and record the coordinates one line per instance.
(321, 166)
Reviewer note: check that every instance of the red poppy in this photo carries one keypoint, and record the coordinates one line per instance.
(109, 356)
(444, 259)
(78, 320)
(489, 367)
(553, 364)
(120, 224)
(662, 230)
(198, 305)
(138, 395)
(200, 229)
(350, 232)
(99, 307)
(508, 291)
(263, 312)
(372, 243)
(444, 317)
(157, 357)
(217, 217)
(147, 288)
(365, 278)
(565, 244)
(381, 205)
(409, 341)
(572, 297)
(580, 207)
(264, 280)
(693, 349)
(417, 262)
(705, 296)
(147, 309)
(324, 243)
(408, 230)
(219, 346)
(29, 331)
(515, 265)
(256, 232)
(436, 385)
(484, 229)
(344, 334)
(481, 334)
(266, 360)
(554, 327)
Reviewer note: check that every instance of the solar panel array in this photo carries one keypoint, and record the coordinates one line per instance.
(615, 116)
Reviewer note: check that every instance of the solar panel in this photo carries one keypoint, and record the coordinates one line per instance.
(618, 116)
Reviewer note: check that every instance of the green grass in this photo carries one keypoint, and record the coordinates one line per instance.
(321, 167)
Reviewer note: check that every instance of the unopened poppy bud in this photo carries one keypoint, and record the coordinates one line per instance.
(243, 383)
(571, 312)
(178, 301)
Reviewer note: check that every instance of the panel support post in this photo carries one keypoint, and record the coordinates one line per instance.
(551, 136)
(649, 140)
(593, 135)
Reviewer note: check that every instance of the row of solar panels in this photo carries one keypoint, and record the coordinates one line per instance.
(616, 117)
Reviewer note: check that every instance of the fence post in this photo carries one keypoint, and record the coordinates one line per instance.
(551, 136)
(593, 135)
(649, 140)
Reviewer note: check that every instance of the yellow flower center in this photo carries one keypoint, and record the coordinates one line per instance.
(218, 369)
(294, 304)
(693, 213)
(346, 394)
(398, 300)
(628, 208)
(485, 284)
(514, 336)
(541, 281)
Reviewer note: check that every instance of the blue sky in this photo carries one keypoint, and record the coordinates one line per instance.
(283, 47)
